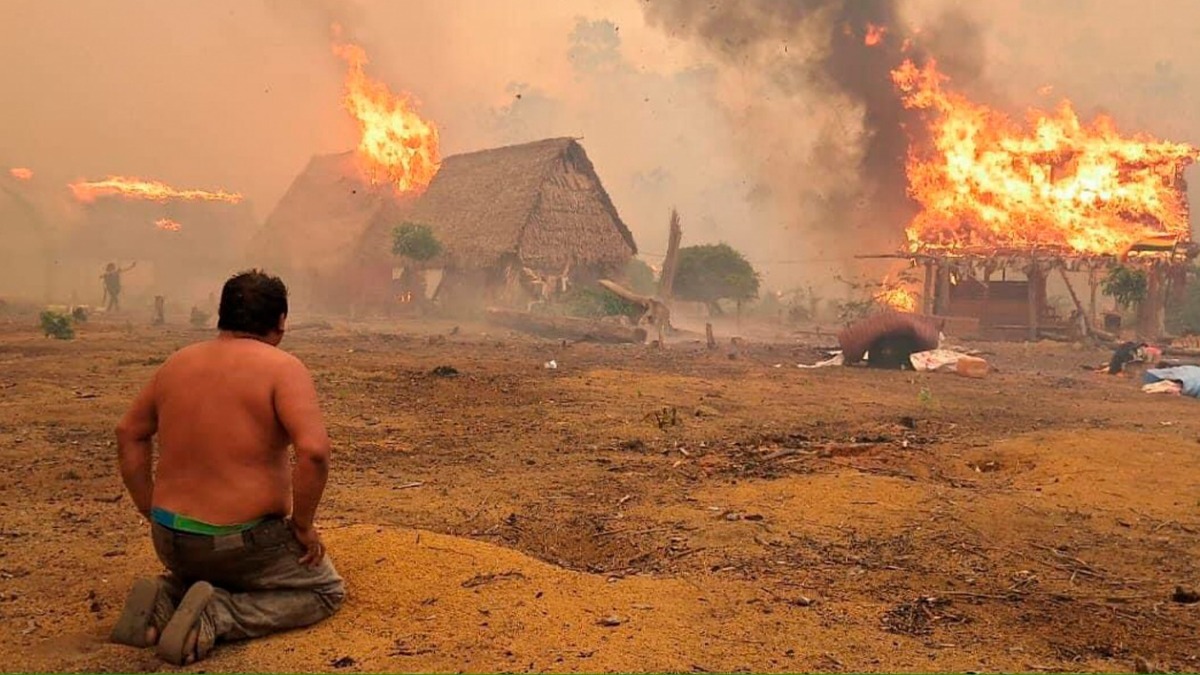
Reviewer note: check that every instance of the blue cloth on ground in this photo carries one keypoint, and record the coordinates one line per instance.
(1188, 376)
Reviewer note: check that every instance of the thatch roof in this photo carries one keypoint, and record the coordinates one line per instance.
(318, 223)
(540, 201)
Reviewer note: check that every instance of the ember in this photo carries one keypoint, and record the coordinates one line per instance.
(168, 225)
(874, 34)
(151, 190)
(21, 173)
(988, 183)
(397, 145)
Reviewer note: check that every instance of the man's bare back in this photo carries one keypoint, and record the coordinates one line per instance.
(222, 447)
(232, 517)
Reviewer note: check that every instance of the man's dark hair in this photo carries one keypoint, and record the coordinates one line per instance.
(252, 302)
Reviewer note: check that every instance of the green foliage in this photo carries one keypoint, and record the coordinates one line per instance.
(713, 272)
(57, 326)
(415, 242)
(639, 278)
(1127, 286)
(594, 303)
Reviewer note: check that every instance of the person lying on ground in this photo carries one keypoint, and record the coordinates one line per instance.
(231, 521)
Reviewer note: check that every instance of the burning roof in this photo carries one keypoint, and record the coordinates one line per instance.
(397, 145)
(986, 183)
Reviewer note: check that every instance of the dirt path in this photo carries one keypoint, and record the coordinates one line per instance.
(726, 513)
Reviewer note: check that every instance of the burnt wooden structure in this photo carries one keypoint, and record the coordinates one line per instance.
(1005, 291)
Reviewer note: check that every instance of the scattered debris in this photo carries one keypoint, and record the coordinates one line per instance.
(344, 662)
(706, 411)
(408, 486)
(945, 360)
(610, 621)
(550, 365)
(485, 579)
(1141, 665)
(919, 616)
(1185, 595)
(444, 371)
(836, 360)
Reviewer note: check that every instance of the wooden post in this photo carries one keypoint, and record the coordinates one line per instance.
(712, 341)
(1087, 324)
(1034, 276)
(927, 306)
(1093, 284)
(942, 303)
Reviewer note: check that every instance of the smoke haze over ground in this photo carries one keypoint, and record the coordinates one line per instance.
(768, 124)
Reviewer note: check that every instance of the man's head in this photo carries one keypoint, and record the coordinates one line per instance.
(110, 267)
(254, 303)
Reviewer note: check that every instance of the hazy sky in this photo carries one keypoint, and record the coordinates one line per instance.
(238, 94)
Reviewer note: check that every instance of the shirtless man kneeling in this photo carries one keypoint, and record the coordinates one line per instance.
(231, 519)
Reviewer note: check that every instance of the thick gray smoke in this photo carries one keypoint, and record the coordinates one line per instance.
(835, 54)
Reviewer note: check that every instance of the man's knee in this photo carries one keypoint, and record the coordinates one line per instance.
(332, 598)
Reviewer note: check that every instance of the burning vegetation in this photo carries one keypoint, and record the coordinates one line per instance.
(21, 173)
(142, 189)
(397, 146)
(986, 183)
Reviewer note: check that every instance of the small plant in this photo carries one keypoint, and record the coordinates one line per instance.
(79, 314)
(595, 303)
(57, 326)
(925, 397)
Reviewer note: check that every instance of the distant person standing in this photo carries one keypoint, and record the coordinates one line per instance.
(112, 285)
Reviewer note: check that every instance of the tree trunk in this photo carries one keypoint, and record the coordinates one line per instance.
(559, 327)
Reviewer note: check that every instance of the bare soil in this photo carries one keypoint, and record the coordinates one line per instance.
(646, 510)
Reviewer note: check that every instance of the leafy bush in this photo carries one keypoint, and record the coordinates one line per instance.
(415, 242)
(57, 326)
(714, 272)
(1127, 286)
(640, 278)
(597, 303)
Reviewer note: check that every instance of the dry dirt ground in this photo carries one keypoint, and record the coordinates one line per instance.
(640, 509)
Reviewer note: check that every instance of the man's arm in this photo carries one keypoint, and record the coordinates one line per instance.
(131, 266)
(135, 433)
(300, 414)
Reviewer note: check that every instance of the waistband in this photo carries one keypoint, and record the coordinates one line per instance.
(181, 523)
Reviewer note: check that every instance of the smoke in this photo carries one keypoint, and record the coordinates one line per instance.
(820, 87)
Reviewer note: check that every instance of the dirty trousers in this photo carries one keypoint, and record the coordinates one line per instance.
(261, 587)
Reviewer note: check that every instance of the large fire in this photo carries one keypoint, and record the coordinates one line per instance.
(988, 183)
(151, 190)
(168, 225)
(21, 173)
(397, 145)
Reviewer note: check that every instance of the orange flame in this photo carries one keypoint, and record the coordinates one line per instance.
(21, 173)
(874, 34)
(988, 183)
(151, 190)
(397, 145)
(168, 225)
(896, 297)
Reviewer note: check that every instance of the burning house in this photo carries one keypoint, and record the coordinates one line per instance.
(531, 210)
(1003, 207)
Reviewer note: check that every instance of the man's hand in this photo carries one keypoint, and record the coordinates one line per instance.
(310, 539)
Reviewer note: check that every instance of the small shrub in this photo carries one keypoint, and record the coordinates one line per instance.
(57, 326)
(79, 314)
(595, 303)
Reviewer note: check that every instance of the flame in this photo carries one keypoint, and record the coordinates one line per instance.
(138, 188)
(986, 182)
(397, 145)
(168, 225)
(874, 34)
(21, 173)
(896, 296)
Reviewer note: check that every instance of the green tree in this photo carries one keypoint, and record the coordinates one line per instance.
(640, 278)
(714, 272)
(1127, 286)
(417, 244)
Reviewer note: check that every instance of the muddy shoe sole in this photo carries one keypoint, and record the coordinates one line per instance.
(135, 619)
(172, 645)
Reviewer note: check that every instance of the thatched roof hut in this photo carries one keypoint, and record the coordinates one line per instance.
(539, 205)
